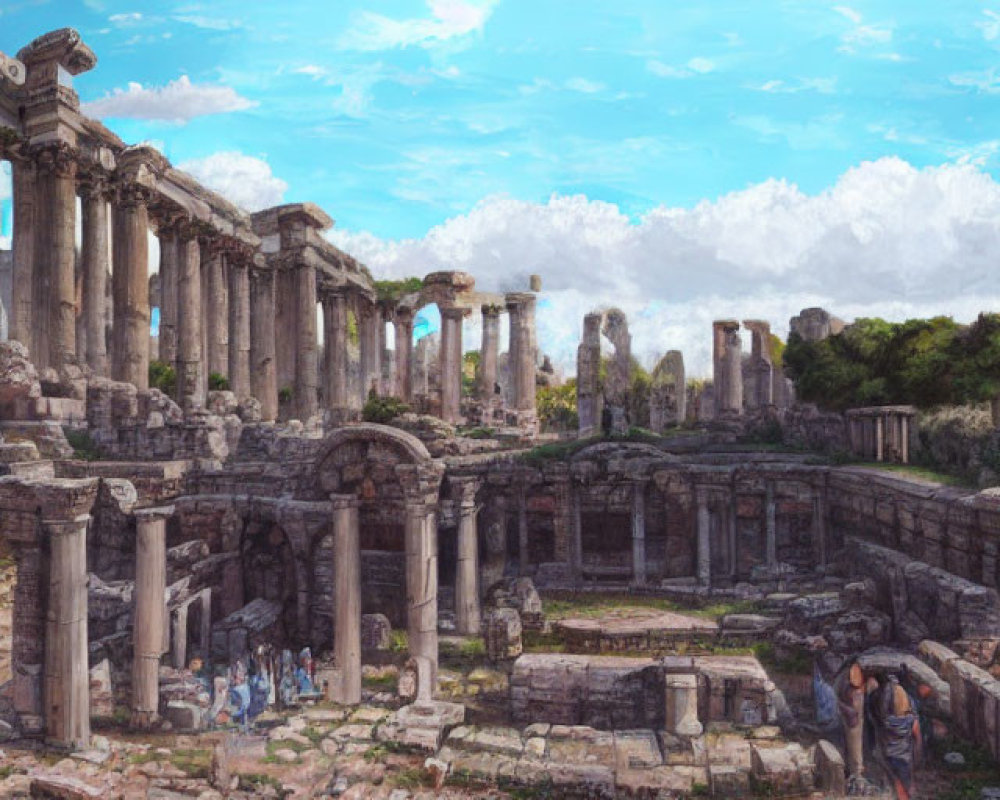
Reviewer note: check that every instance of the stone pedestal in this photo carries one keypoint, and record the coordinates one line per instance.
(130, 288)
(67, 682)
(190, 394)
(150, 612)
(263, 370)
(347, 580)
(682, 705)
(403, 324)
(95, 255)
(467, 611)
(451, 364)
(239, 326)
(489, 353)
(422, 582)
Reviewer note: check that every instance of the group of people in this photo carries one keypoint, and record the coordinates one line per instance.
(258, 680)
(883, 715)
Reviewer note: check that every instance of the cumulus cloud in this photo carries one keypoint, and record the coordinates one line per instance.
(887, 239)
(449, 19)
(179, 101)
(244, 180)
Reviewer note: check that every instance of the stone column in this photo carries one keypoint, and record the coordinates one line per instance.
(169, 269)
(23, 277)
(130, 287)
(263, 370)
(819, 525)
(205, 633)
(403, 325)
(385, 382)
(770, 527)
(55, 257)
(682, 705)
(190, 394)
(95, 255)
(369, 318)
(347, 612)
(521, 310)
(451, 364)
(727, 367)
(67, 680)
(467, 611)
(704, 539)
(879, 439)
(216, 294)
(489, 353)
(422, 582)
(904, 439)
(335, 350)
(639, 533)
(150, 612)
(307, 343)
(179, 637)
(588, 376)
(239, 325)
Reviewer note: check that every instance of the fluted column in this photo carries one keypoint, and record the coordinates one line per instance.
(239, 325)
(489, 353)
(263, 370)
(521, 310)
(23, 278)
(403, 325)
(467, 611)
(130, 287)
(190, 383)
(216, 294)
(450, 363)
(150, 612)
(335, 350)
(307, 343)
(55, 257)
(347, 612)
(67, 680)
(422, 583)
(94, 192)
(169, 258)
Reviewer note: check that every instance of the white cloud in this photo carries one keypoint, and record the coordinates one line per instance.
(820, 85)
(849, 13)
(887, 239)
(986, 81)
(990, 26)
(449, 19)
(312, 70)
(179, 101)
(696, 66)
(244, 180)
(209, 23)
(123, 20)
(584, 86)
(861, 36)
(701, 65)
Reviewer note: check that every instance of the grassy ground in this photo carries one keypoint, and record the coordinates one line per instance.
(913, 471)
(562, 605)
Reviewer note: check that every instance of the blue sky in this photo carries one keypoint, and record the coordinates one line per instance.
(454, 132)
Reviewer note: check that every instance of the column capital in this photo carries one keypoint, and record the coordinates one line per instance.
(518, 300)
(491, 310)
(338, 501)
(56, 157)
(132, 195)
(62, 526)
(464, 490)
(94, 183)
(454, 312)
(153, 514)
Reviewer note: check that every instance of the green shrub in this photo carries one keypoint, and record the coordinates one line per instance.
(556, 406)
(162, 376)
(218, 383)
(84, 448)
(285, 394)
(383, 409)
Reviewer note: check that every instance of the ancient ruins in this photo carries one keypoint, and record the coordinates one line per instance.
(318, 565)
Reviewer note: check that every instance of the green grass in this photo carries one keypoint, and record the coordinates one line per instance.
(254, 781)
(411, 778)
(562, 605)
(477, 433)
(968, 780)
(914, 471)
(379, 682)
(84, 448)
(195, 762)
(398, 641)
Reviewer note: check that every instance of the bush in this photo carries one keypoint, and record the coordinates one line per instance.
(285, 394)
(383, 409)
(556, 406)
(84, 448)
(162, 376)
(218, 383)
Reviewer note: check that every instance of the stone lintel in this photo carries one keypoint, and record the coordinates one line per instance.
(727, 324)
(458, 281)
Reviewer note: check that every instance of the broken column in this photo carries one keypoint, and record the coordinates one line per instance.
(239, 324)
(618, 387)
(150, 612)
(67, 680)
(467, 611)
(451, 364)
(521, 313)
(347, 611)
(727, 367)
(422, 582)
(489, 353)
(190, 392)
(589, 400)
(95, 251)
(403, 330)
(668, 394)
(759, 390)
(682, 705)
(263, 370)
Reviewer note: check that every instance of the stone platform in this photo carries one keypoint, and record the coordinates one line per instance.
(635, 629)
